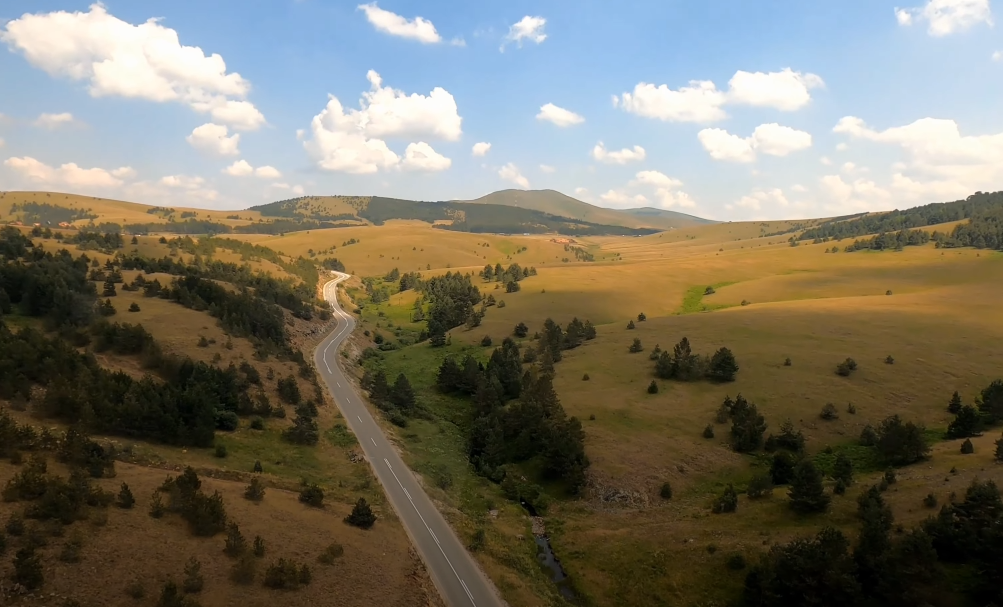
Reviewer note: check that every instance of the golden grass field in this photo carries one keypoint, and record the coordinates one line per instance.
(941, 323)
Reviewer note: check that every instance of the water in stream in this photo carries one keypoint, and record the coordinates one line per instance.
(549, 560)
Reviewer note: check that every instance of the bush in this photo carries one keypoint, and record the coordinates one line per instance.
(287, 575)
(125, 498)
(255, 491)
(331, 553)
(901, 443)
(636, 346)
(760, 486)
(653, 387)
(362, 515)
(15, 525)
(666, 491)
(930, 501)
(868, 436)
(708, 432)
(258, 547)
(28, 569)
(136, 590)
(486, 341)
(585, 377)
(220, 450)
(890, 476)
(157, 508)
(630, 324)
(787, 362)
(521, 330)
(194, 581)
(736, 562)
(312, 495)
(829, 412)
(889, 360)
(846, 367)
(722, 366)
(851, 409)
(641, 317)
(257, 424)
(727, 502)
(243, 570)
(235, 544)
(134, 307)
(967, 447)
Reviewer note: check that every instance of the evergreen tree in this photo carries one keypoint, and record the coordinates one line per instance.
(955, 405)
(998, 455)
(362, 515)
(843, 469)
(109, 289)
(807, 494)
(967, 447)
(28, 568)
(380, 392)
(402, 395)
(747, 427)
(782, 468)
(235, 543)
(636, 346)
(125, 498)
(727, 502)
(448, 378)
(194, 581)
(723, 366)
(521, 330)
(901, 443)
(966, 423)
(653, 387)
(990, 401)
(630, 324)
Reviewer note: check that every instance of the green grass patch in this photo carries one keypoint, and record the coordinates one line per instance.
(693, 299)
(340, 436)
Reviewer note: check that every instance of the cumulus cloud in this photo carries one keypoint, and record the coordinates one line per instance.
(645, 186)
(998, 56)
(418, 28)
(941, 162)
(240, 168)
(54, 121)
(619, 198)
(510, 172)
(267, 172)
(945, 17)
(213, 139)
(797, 187)
(421, 157)
(546, 168)
(559, 116)
(69, 174)
(527, 28)
(480, 148)
(657, 179)
(352, 141)
(145, 61)
(702, 102)
(635, 154)
(758, 198)
(771, 139)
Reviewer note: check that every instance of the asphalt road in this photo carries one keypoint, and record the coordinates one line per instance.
(456, 575)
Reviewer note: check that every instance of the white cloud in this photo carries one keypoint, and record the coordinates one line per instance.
(825, 160)
(418, 28)
(656, 178)
(145, 61)
(635, 154)
(1, 142)
(298, 190)
(859, 195)
(771, 139)
(800, 189)
(785, 90)
(212, 138)
(267, 172)
(185, 182)
(946, 17)
(842, 147)
(620, 198)
(510, 172)
(546, 168)
(582, 192)
(654, 184)
(698, 102)
(68, 174)
(352, 141)
(702, 102)
(559, 116)
(239, 168)
(527, 28)
(480, 148)
(421, 157)
(998, 56)
(54, 121)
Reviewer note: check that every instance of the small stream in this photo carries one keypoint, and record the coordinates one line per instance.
(545, 553)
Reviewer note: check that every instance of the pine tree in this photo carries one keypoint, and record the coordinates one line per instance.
(999, 450)
(380, 392)
(966, 423)
(653, 387)
(109, 289)
(955, 405)
(235, 543)
(727, 502)
(807, 494)
(630, 324)
(402, 395)
(723, 366)
(967, 447)
(843, 469)
(125, 498)
(636, 346)
(28, 568)
(362, 515)
(194, 581)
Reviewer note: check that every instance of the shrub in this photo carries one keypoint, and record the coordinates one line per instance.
(760, 486)
(890, 476)
(585, 377)
(257, 466)
(736, 562)
(255, 491)
(868, 436)
(843, 469)
(653, 387)
(900, 443)
(968, 422)
(723, 366)
(666, 491)
(889, 360)
(157, 508)
(636, 346)
(787, 362)
(954, 406)
(71, 551)
(888, 292)
(134, 307)
(807, 494)
(362, 515)
(709, 291)
(521, 330)
(708, 432)
(125, 498)
(259, 546)
(846, 367)
(641, 317)
(829, 412)
(220, 450)
(851, 409)
(312, 495)
(28, 569)
(630, 324)
(746, 302)
(727, 502)
(257, 424)
(135, 589)
(967, 447)
(331, 553)
(486, 341)
(287, 575)
(194, 581)
(930, 501)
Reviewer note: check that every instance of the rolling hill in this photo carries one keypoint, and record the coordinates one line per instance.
(556, 203)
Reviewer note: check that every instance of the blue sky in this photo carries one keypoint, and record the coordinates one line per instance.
(726, 109)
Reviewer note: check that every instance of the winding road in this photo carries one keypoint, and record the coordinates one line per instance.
(454, 571)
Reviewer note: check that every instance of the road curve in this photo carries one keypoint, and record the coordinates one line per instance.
(458, 578)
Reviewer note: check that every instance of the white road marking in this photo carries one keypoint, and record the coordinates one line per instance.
(339, 383)
(360, 419)
(462, 583)
(374, 440)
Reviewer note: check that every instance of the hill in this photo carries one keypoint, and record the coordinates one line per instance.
(556, 203)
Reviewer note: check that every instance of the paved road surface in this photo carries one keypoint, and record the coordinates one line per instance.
(456, 575)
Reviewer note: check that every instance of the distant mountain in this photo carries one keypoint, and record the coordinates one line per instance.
(556, 203)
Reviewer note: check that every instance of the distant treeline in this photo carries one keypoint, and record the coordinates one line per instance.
(203, 226)
(33, 212)
(978, 204)
(983, 231)
(291, 209)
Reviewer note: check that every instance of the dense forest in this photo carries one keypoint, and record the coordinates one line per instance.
(451, 298)
(45, 213)
(927, 215)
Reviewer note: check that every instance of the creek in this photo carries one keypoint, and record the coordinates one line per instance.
(546, 556)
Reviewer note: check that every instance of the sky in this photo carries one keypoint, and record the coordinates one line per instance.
(726, 109)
